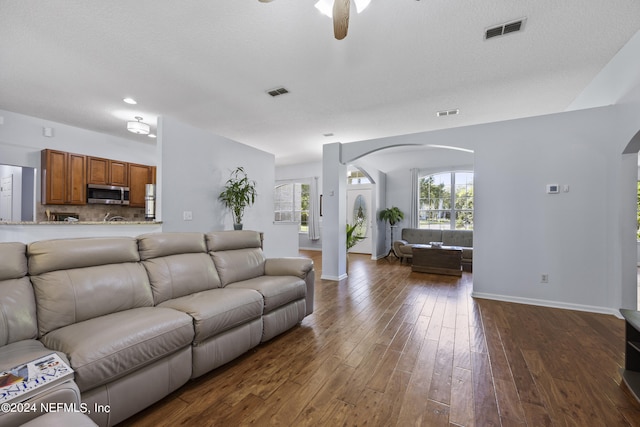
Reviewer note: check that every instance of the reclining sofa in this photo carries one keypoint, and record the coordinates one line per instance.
(136, 318)
(403, 248)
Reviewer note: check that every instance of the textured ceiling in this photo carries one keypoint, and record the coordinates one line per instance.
(210, 63)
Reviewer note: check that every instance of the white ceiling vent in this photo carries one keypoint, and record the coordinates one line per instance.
(277, 91)
(503, 29)
(447, 113)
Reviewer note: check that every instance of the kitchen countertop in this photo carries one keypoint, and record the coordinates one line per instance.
(80, 222)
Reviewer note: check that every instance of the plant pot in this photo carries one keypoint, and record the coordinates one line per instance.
(237, 226)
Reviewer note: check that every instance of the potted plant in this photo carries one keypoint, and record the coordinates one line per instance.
(239, 192)
(393, 215)
(352, 236)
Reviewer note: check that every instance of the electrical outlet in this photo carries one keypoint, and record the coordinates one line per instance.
(187, 215)
(544, 278)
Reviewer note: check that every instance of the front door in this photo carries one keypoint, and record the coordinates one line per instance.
(360, 211)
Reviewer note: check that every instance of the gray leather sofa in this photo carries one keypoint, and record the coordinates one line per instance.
(19, 332)
(138, 317)
(403, 248)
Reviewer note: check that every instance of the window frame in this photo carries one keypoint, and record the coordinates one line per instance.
(452, 212)
(301, 182)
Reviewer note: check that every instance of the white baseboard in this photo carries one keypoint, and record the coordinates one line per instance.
(547, 303)
(334, 278)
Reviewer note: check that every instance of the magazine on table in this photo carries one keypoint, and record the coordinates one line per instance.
(25, 380)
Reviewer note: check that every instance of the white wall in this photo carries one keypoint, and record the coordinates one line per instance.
(195, 164)
(576, 237)
(382, 243)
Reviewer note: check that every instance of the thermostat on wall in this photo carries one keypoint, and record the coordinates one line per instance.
(553, 188)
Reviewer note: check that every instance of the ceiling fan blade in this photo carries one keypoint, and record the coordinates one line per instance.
(340, 18)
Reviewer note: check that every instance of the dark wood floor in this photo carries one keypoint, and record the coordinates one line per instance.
(388, 347)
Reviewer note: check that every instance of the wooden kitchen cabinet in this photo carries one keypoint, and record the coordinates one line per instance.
(64, 179)
(119, 173)
(107, 172)
(139, 177)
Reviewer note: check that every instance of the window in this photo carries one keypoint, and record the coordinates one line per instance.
(441, 208)
(356, 177)
(291, 203)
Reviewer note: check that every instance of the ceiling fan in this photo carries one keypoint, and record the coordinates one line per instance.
(339, 12)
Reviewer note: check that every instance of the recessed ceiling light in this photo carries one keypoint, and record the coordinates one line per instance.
(151, 135)
(130, 101)
(327, 134)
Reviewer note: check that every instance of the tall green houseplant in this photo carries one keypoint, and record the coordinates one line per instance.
(239, 192)
(392, 215)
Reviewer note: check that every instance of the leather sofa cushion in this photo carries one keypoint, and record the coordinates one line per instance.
(276, 290)
(106, 348)
(63, 254)
(14, 260)
(17, 303)
(218, 310)
(422, 236)
(239, 264)
(17, 311)
(178, 275)
(156, 245)
(231, 240)
(462, 238)
(70, 296)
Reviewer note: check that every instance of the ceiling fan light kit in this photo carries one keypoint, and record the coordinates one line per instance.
(326, 6)
(339, 11)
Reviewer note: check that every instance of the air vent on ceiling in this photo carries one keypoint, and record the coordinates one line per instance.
(503, 29)
(277, 91)
(448, 113)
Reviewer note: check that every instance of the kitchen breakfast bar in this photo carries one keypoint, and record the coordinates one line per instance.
(27, 231)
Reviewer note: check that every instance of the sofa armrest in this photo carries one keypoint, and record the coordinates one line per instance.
(295, 266)
(398, 250)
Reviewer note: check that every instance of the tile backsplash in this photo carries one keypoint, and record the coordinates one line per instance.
(91, 212)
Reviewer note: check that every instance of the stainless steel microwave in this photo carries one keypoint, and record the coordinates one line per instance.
(107, 194)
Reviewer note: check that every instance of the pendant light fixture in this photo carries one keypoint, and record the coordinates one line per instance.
(138, 127)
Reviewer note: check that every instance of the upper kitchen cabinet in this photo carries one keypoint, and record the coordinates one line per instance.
(107, 172)
(64, 179)
(139, 177)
